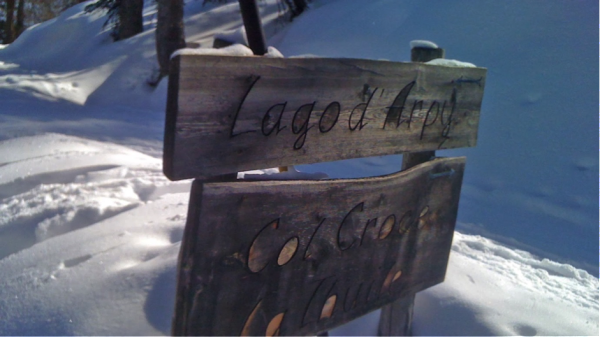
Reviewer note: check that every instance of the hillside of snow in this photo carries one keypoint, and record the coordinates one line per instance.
(90, 228)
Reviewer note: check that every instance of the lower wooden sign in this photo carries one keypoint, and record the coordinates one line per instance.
(302, 257)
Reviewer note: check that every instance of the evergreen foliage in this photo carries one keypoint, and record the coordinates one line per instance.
(112, 8)
(124, 15)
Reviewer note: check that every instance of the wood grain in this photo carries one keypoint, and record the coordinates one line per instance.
(302, 257)
(228, 114)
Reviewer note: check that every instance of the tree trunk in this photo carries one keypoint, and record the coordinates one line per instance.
(296, 7)
(130, 18)
(19, 26)
(300, 6)
(9, 24)
(169, 32)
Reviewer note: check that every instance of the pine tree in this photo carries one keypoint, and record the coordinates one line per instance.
(131, 21)
(169, 32)
(125, 15)
(19, 25)
(9, 29)
(296, 7)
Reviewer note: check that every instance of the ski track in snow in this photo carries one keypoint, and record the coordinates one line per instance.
(86, 221)
(547, 277)
(59, 184)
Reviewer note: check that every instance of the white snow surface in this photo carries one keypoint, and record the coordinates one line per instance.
(451, 63)
(233, 50)
(235, 36)
(90, 228)
(423, 44)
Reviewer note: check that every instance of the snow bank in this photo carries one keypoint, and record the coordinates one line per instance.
(89, 238)
(54, 184)
(493, 290)
(73, 58)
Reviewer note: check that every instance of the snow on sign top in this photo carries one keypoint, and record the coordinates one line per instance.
(228, 114)
(423, 44)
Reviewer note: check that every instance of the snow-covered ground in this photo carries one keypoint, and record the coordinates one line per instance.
(90, 228)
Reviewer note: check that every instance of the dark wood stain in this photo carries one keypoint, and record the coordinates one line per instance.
(337, 266)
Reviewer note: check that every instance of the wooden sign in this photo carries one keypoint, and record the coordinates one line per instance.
(227, 114)
(301, 257)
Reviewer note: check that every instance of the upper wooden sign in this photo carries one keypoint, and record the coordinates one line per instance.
(300, 257)
(227, 114)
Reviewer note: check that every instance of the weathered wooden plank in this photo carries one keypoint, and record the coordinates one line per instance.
(301, 257)
(228, 114)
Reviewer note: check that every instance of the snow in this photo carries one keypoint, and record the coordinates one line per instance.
(451, 63)
(235, 36)
(276, 174)
(524, 184)
(525, 293)
(233, 50)
(273, 52)
(423, 44)
(90, 228)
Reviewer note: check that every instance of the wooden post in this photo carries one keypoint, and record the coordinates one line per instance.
(420, 54)
(396, 318)
(254, 31)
